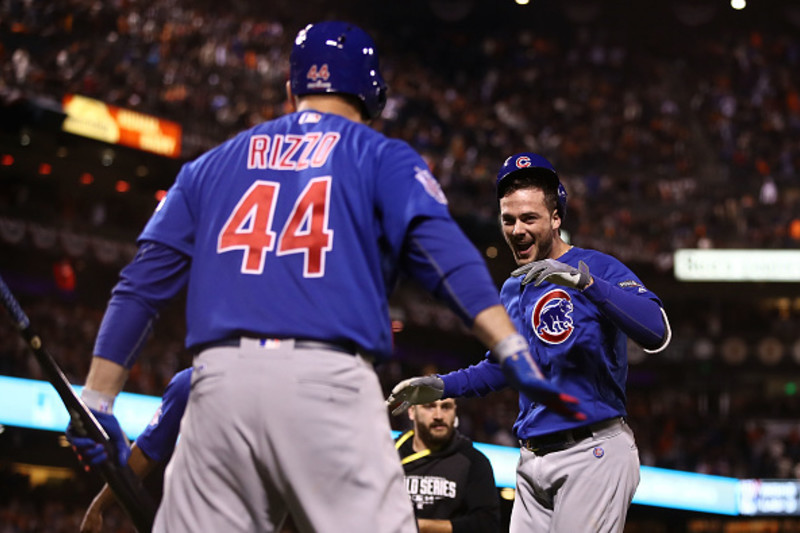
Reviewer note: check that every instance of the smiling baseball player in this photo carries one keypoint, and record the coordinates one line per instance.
(577, 308)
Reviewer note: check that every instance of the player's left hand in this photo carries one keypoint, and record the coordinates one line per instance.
(415, 391)
(537, 272)
(92, 453)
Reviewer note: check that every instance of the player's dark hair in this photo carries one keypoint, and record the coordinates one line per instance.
(528, 178)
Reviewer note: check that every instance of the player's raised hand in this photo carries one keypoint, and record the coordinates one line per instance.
(537, 272)
(415, 391)
(523, 374)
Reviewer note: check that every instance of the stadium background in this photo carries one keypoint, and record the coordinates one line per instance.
(674, 125)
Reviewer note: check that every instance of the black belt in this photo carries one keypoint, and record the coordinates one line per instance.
(349, 348)
(560, 440)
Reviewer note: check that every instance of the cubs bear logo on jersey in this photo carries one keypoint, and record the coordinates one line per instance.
(552, 317)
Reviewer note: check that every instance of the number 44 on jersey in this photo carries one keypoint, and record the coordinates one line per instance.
(249, 227)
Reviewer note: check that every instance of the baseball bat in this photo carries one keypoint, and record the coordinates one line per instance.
(126, 485)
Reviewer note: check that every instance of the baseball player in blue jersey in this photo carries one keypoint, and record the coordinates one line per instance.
(288, 239)
(577, 308)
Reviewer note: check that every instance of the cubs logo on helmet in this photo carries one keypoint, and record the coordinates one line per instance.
(552, 317)
(523, 161)
(529, 160)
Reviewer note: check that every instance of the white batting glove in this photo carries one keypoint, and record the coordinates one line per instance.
(537, 272)
(415, 391)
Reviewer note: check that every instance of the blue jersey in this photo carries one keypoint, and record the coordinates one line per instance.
(576, 346)
(158, 439)
(295, 228)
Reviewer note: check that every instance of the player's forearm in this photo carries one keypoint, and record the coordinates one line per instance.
(124, 330)
(446, 263)
(475, 380)
(427, 525)
(155, 275)
(641, 319)
(139, 462)
(493, 325)
(106, 377)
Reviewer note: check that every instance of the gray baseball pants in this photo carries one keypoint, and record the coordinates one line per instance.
(271, 430)
(586, 487)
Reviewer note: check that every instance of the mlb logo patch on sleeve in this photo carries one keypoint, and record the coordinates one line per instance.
(432, 186)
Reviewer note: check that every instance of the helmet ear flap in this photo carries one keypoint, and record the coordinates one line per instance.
(562, 201)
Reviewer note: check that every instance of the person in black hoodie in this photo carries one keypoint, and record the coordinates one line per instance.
(451, 484)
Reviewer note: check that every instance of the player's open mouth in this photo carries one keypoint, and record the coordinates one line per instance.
(524, 249)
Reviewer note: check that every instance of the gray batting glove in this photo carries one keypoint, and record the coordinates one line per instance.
(415, 391)
(537, 272)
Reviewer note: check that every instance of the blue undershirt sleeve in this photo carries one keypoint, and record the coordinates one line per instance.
(155, 276)
(641, 319)
(475, 380)
(446, 263)
(158, 439)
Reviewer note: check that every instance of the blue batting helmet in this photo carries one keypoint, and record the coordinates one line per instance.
(338, 57)
(528, 161)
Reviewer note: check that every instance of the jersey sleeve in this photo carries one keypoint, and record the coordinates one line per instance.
(623, 298)
(419, 229)
(475, 380)
(445, 262)
(158, 439)
(405, 191)
(486, 376)
(641, 319)
(617, 274)
(155, 275)
(173, 222)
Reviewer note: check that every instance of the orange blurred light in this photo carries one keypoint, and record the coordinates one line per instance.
(123, 186)
(45, 169)
(86, 179)
(7, 160)
(794, 229)
(160, 194)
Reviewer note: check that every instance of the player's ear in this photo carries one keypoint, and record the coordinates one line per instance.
(290, 98)
(556, 219)
(411, 412)
(455, 422)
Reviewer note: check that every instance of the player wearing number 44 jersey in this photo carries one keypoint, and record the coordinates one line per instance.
(288, 239)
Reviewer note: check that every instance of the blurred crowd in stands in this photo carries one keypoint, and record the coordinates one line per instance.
(663, 144)
(694, 142)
